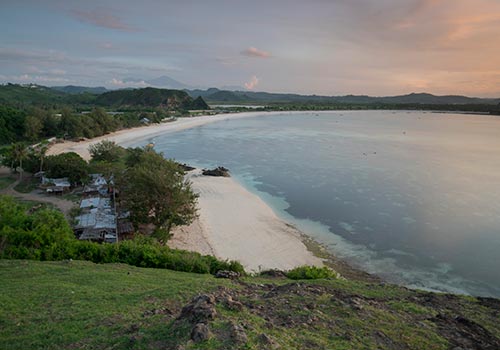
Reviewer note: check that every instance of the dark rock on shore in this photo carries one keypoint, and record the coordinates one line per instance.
(186, 167)
(219, 171)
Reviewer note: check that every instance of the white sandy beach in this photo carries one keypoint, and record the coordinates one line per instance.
(233, 223)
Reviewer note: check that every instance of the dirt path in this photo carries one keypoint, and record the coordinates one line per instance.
(35, 196)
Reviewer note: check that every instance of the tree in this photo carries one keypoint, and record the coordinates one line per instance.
(69, 165)
(18, 154)
(105, 150)
(36, 157)
(155, 192)
(33, 127)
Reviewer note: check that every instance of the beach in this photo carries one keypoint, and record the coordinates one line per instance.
(233, 223)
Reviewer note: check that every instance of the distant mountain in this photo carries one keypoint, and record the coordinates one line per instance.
(216, 95)
(150, 97)
(232, 88)
(160, 82)
(72, 89)
(168, 82)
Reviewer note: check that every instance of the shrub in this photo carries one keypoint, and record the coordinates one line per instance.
(310, 273)
(45, 235)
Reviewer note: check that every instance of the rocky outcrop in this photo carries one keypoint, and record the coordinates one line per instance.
(219, 171)
(199, 312)
(200, 309)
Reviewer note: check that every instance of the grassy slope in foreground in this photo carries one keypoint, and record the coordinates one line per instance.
(70, 305)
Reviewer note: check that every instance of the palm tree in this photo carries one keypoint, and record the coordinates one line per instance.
(19, 153)
(41, 151)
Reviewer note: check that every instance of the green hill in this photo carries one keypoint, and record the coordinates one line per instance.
(215, 95)
(21, 96)
(35, 95)
(72, 89)
(148, 97)
(81, 305)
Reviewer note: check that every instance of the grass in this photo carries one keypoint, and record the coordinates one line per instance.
(27, 185)
(60, 305)
(74, 196)
(5, 181)
(74, 304)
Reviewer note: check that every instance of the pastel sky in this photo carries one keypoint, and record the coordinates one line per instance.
(330, 47)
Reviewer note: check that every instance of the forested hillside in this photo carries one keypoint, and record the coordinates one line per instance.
(29, 113)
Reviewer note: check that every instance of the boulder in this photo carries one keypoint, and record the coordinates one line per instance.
(201, 309)
(200, 332)
(219, 171)
(238, 333)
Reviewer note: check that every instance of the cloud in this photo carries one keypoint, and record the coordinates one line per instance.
(57, 71)
(227, 61)
(27, 78)
(102, 18)
(254, 81)
(106, 45)
(254, 52)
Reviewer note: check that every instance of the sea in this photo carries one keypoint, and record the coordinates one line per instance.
(413, 197)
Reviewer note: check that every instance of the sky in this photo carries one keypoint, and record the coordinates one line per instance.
(327, 47)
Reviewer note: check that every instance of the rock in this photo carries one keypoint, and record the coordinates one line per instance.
(200, 309)
(356, 303)
(219, 171)
(238, 333)
(231, 304)
(227, 274)
(200, 332)
(186, 167)
(273, 273)
(268, 341)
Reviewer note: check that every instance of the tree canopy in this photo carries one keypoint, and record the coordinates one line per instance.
(107, 151)
(155, 192)
(69, 165)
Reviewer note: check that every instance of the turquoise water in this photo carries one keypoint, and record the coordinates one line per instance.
(413, 197)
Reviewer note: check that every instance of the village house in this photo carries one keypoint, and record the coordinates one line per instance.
(56, 186)
(98, 220)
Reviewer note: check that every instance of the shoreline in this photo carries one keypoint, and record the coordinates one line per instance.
(125, 136)
(233, 223)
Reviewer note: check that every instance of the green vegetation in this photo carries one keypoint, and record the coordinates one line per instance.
(6, 181)
(148, 98)
(69, 165)
(27, 185)
(75, 304)
(46, 235)
(154, 190)
(151, 187)
(310, 273)
(31, 113)
(106, 151)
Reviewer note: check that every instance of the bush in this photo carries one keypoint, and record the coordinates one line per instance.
(69, 165)
(310, 273)
(45, 235)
